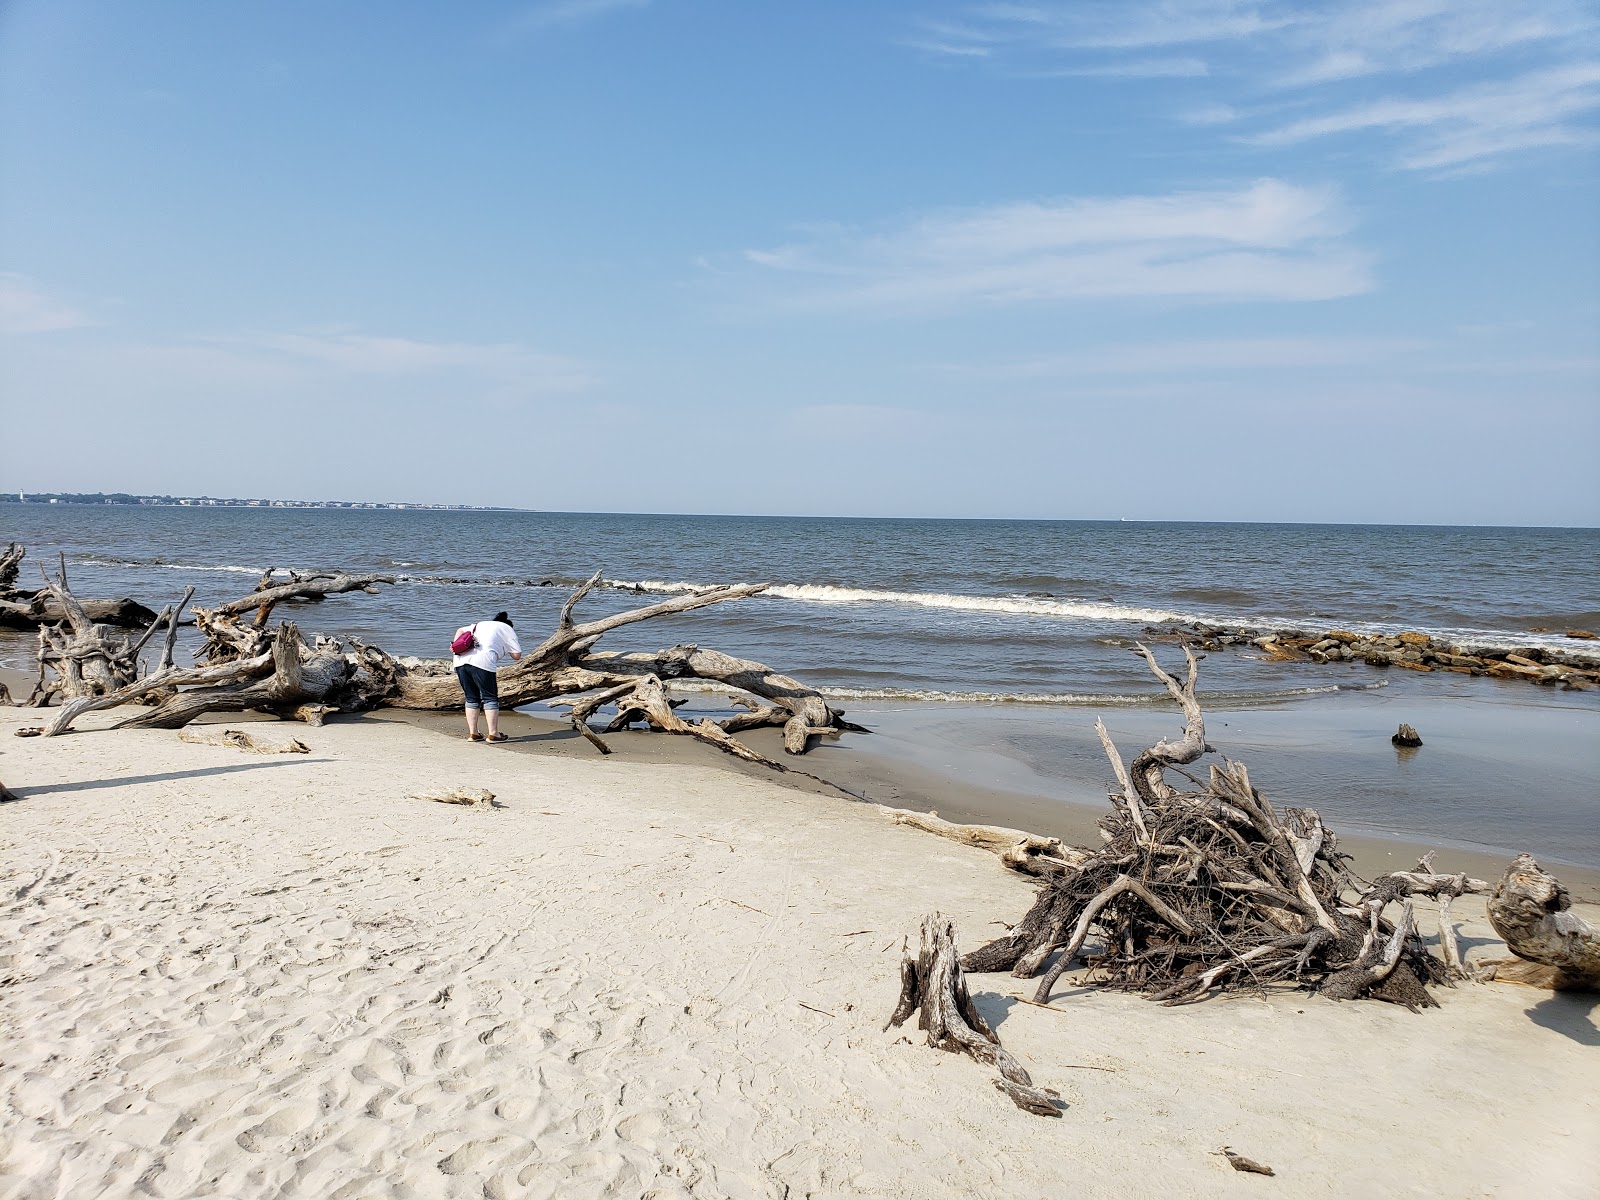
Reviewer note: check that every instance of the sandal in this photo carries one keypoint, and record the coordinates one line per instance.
(500, 737)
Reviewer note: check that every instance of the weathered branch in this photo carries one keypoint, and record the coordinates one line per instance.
(1024, 852)
(229, 673)
(302, 587)
(10, 563)
(1146, 772)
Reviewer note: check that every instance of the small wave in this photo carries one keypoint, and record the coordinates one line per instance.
(1151, 699)
(823, 593)
(103, 560)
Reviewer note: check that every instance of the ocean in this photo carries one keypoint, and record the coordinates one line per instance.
(1008, 636)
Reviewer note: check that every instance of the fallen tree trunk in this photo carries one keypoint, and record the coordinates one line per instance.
(1533, 913)
(40, 609)
(29, 610)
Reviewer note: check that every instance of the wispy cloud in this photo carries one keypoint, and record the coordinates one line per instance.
(1469, 124)
(1197, 357)
(1330, 40)
(1527, 54)
(1269, 240)
(25, 308)
(506, 364)
(559, 13)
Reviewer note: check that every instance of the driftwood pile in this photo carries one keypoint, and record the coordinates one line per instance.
(246, 661)
(1207, 887)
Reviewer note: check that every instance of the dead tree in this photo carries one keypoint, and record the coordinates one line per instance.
(1555, 947)
(1209, 887)
(933, 985)
(82, 657)
(245, 662)
(30, 610)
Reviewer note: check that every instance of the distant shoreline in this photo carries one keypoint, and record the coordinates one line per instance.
(128, 500)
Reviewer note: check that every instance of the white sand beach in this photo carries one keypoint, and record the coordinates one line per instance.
(229, 974)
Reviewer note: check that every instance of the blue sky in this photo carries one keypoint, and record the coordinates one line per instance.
(1209, 260)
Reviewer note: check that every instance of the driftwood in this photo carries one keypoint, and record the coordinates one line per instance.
(242, 739)
(933, 985)
(10, 563)
(1024, 852)
(227, 637)
(7, 795)
(246, 662)
(83, 657)
(467, 797)
(1211, 888)
(30, 610)
(1555, 947)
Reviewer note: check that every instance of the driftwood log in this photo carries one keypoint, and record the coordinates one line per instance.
(933, 985)
(1555, 947)
(1024, 852)
(242, 739)
(1208, 887)
(245, 661)
(30, 610)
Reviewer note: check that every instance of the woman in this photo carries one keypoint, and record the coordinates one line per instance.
(493, 642)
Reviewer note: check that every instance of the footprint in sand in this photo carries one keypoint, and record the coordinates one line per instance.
(290, 1119)
(473, 1158)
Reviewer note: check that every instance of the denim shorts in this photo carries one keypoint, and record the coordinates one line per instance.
(480, 687)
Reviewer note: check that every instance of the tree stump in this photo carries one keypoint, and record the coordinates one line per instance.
(1532, 911)
(1406, 736)
(934, 983)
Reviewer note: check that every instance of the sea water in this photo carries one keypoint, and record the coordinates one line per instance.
(1025, 627)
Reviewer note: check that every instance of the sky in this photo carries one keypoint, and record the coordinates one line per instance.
(1191, 259)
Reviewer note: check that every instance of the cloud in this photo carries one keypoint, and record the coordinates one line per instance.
(26, 309)
(556, 14)
(1473, 123)
(1140, 68)
(506, 364)
(1313, 55)
(1331, 40)
(1269, 240)
(1196, 356)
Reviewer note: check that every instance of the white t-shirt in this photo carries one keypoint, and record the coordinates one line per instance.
(496, 643)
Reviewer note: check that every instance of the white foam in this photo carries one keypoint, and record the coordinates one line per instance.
(1067, 699)
(823, 593)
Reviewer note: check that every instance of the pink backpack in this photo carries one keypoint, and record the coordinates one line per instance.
(465, 641)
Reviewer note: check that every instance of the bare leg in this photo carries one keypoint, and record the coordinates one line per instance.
(472, 722)
(492, 716)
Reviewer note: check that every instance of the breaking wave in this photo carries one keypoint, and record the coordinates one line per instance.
(823, 593)
(1152, 699)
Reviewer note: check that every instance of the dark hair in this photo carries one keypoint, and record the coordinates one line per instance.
(502, 618)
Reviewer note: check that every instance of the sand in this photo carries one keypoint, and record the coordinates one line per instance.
(230, 974)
